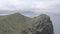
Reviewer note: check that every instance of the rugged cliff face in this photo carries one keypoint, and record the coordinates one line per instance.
(43, 25)
(19, 24)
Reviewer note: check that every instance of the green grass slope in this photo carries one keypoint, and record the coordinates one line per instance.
(17, 23)
(13, 24)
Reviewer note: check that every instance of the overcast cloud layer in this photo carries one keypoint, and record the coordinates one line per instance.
(44, 6)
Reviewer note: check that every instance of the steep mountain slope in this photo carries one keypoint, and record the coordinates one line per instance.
(41, 25)
(19, 24)
(13, 24)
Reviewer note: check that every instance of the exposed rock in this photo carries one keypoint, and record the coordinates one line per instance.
(43, 25)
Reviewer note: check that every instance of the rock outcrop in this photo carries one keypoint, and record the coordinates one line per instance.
(43, 25)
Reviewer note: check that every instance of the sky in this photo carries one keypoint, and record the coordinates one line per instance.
(35, 5)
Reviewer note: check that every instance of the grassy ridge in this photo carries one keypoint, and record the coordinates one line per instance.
(13, 24)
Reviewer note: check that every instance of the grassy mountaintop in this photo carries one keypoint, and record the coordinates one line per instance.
(13, 24)
(16, 23)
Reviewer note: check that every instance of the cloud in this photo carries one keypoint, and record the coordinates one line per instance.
(36, 6)
(21, 4)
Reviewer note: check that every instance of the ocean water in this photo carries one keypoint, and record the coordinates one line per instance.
(56, 22)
